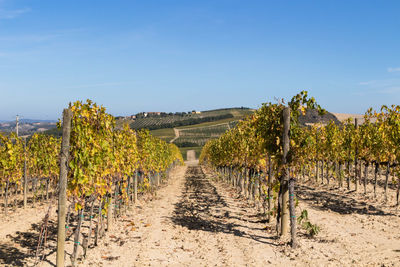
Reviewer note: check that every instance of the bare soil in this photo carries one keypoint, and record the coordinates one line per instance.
(196, 221)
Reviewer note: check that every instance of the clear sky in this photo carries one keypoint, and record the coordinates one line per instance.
(134, 56)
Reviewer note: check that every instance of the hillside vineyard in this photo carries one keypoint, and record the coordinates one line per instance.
(97, 172)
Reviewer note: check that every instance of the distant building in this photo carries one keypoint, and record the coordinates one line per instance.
(196, 112)
(147, 114)
(153, 113)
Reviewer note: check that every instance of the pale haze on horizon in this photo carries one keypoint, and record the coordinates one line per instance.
(133, 56)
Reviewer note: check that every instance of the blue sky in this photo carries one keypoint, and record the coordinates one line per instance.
(165, 55)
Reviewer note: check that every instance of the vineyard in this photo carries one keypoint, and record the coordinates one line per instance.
(106, 170)
(171, 121)
(269, 189)
(198, 136)
(267, 153)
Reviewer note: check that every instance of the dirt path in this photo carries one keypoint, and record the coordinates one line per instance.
(190, 224)
(198, 222)
(195, 221)
(176, 131)
(191, 155)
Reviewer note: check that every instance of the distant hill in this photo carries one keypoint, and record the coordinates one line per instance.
(197, 135)
(27, 126)
(28, 121)
(344, 116)
(312, 117)
(187, 130)
(162, 120)
(192, 131)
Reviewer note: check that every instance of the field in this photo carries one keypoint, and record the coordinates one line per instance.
(155, 122)
(196, 135)
(166, 134)
(201, 134)
(224, 210)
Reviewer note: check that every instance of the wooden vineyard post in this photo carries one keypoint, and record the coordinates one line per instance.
(348, 174)
(25, 177)
(6, 198)
(240, 174)
(356, 159)
(365, 176)
(247, 181)
(90, 226)
(236, 176)
(62, 195)
(99, 222)
(387, 179)
(269, 188)
(259, 192)
(128, 190)
(289, 182)
(76, 237)
(109, 212)
(317, 161)
(285, 176)
(292, 211)
(375, 177)
(398, 191)
(135, 187)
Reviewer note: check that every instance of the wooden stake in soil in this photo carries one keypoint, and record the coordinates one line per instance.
(279, 211)
(292, 210)
(356, 158)
(317, 161)
(25, 177)
(99, 222)
(135, 186)
(128, 190)
(260, 193)
(376, 177)
(6, 198)
(348, 174)
(47, 188)
(387, 179)
(322, 171)
(90, 226)
(269, 192)
(285, 176)
(398, 191)
(109, 213)
(62, 195)
(365, 177)
(76, 237)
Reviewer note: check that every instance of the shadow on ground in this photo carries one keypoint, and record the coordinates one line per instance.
(337, 202)
(202, 208)
(21, 246)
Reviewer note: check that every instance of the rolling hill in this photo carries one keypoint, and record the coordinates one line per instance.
(190, 131)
